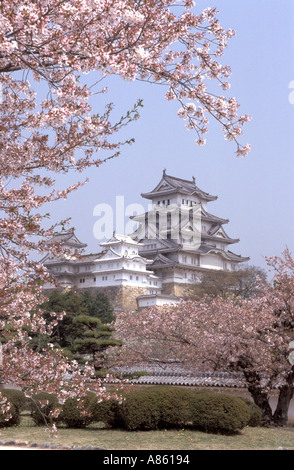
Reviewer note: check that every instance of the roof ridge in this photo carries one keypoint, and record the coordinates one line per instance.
(181, 179)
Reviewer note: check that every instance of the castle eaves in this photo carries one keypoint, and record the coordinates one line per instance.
(171, 185)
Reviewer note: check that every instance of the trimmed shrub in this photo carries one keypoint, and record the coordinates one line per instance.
(79, 412)
(173, 404)
(43, 405)
(219, 413)
(157, 407)
(162, 407)
(17, 397)
(255, 413)
(109, 413)
(140, 411)
(17, 400)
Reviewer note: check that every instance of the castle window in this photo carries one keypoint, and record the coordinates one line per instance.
(94, 279)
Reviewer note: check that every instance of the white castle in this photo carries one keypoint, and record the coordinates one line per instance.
(154, 265)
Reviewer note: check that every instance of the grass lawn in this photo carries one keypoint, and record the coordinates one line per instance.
(248, 439)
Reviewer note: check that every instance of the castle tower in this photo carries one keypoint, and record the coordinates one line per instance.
(181, 254)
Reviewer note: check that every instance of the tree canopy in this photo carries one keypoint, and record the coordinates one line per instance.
(245, 283)
(251, 336)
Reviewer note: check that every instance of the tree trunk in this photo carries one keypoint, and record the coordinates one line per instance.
(281, 414)
(260, 396)
(285, 396)
(261, 399)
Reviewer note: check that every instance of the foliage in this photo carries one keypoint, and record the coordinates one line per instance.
(251, 336)
(256, 413)
(17, 397)
(108, 412)
(72, 304)
(173, 404)
(43, 407)
(243, 283)
(219, 413)
(99, 306)
(79, 412)
(15, 402)
(164, 407)
(140, 411)
(79, 312)
(94, 338)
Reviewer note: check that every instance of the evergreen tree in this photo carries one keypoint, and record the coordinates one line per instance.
(99, 306)
(73, 305)
(82, 329)
(94, 338)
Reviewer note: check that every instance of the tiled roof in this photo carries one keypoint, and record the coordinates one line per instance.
(181, 376)
(170, 184)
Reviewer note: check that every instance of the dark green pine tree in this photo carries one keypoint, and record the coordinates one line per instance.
(94, 338)
(99, 306)
(73, 304)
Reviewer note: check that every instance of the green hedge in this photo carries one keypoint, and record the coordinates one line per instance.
(79, 413)
(219, 413)
(162, 407)
(155, 407)
(255, 413)
(42, 405)
(109, 413)
(18, 401)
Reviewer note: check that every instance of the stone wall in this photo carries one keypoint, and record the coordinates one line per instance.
(173, 288)
(122, 298)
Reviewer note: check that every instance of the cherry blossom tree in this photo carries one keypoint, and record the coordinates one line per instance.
(48, 127)
(249, 336)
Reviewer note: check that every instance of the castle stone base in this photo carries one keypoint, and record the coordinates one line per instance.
(121, 298)
(173, 288)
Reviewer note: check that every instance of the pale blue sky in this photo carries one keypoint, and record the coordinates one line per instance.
(256, 193)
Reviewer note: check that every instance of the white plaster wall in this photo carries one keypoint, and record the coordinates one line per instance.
(211, 261)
